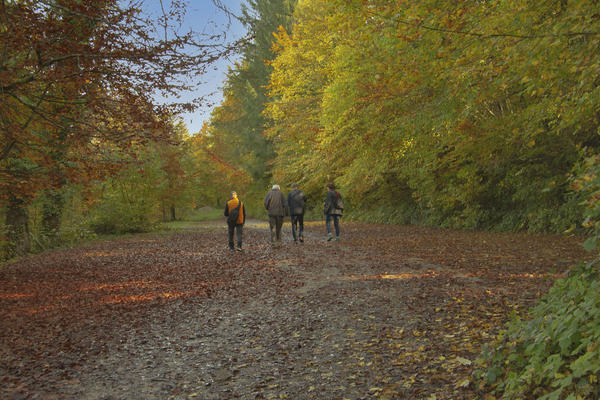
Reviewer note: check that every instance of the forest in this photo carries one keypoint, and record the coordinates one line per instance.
(472, 115)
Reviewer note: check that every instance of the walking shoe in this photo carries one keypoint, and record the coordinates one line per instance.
(295, 242)
(231, 249)
(329, 237)
(301, 239)
(337, 239)
(239, 249)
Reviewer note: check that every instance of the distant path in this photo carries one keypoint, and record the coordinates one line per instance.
(388, 312)
(250, 222)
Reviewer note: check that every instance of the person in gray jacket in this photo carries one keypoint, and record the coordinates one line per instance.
(277, 206)
(296, 199)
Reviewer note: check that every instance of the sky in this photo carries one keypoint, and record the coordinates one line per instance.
(204, 17)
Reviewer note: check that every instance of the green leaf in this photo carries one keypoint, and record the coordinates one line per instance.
(590, 244)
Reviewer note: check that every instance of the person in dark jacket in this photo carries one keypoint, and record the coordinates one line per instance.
(239, 226)
(332, 213)
(296, 199)
(277, 206)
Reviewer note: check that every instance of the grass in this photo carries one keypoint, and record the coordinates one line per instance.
(202, 216)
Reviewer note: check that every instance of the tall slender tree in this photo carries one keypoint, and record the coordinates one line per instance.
(245, 87)
(302, 72)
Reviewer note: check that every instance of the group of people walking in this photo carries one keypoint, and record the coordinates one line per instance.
(278, 207)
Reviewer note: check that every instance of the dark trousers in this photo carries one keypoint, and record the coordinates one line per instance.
(298, 220)
(336, 223)
(275, 224)
(239, 229)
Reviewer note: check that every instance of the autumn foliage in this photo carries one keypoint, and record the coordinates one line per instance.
(79, 87)
(466, 114)
(463, 114)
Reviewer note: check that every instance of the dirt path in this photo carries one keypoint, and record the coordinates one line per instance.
(388, 312)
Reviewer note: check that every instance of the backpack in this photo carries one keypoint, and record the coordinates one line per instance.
(338, 202)
(234, 214)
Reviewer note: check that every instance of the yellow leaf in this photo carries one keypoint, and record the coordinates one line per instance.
(464, 361)
(463, 383)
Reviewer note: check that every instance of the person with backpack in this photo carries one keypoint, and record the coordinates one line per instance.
(236, 217)
(333, 209)
(296, 199)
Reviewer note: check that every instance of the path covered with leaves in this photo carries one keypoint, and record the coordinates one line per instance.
(386, 313)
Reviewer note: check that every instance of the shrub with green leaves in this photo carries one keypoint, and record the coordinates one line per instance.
(127, 202)
(555, 352)
(555, 355)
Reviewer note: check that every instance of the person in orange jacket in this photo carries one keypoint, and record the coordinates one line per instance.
(239, 226)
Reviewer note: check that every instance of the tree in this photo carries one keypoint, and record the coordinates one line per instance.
(77, 76)
(210, 176)
(464, 114)
(301, 73)
(245, 88)
(172, 155)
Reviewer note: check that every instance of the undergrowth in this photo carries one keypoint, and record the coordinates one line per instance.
(554, 353)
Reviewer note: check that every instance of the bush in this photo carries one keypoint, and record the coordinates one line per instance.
(121, 220)
(555, 353)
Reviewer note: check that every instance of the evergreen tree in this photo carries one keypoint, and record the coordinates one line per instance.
(245, 89)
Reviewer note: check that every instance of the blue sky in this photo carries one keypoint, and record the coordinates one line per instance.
(204, 17)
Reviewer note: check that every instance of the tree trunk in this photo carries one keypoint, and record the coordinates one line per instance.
(17, 224)
(172, 208)
(54, 204)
